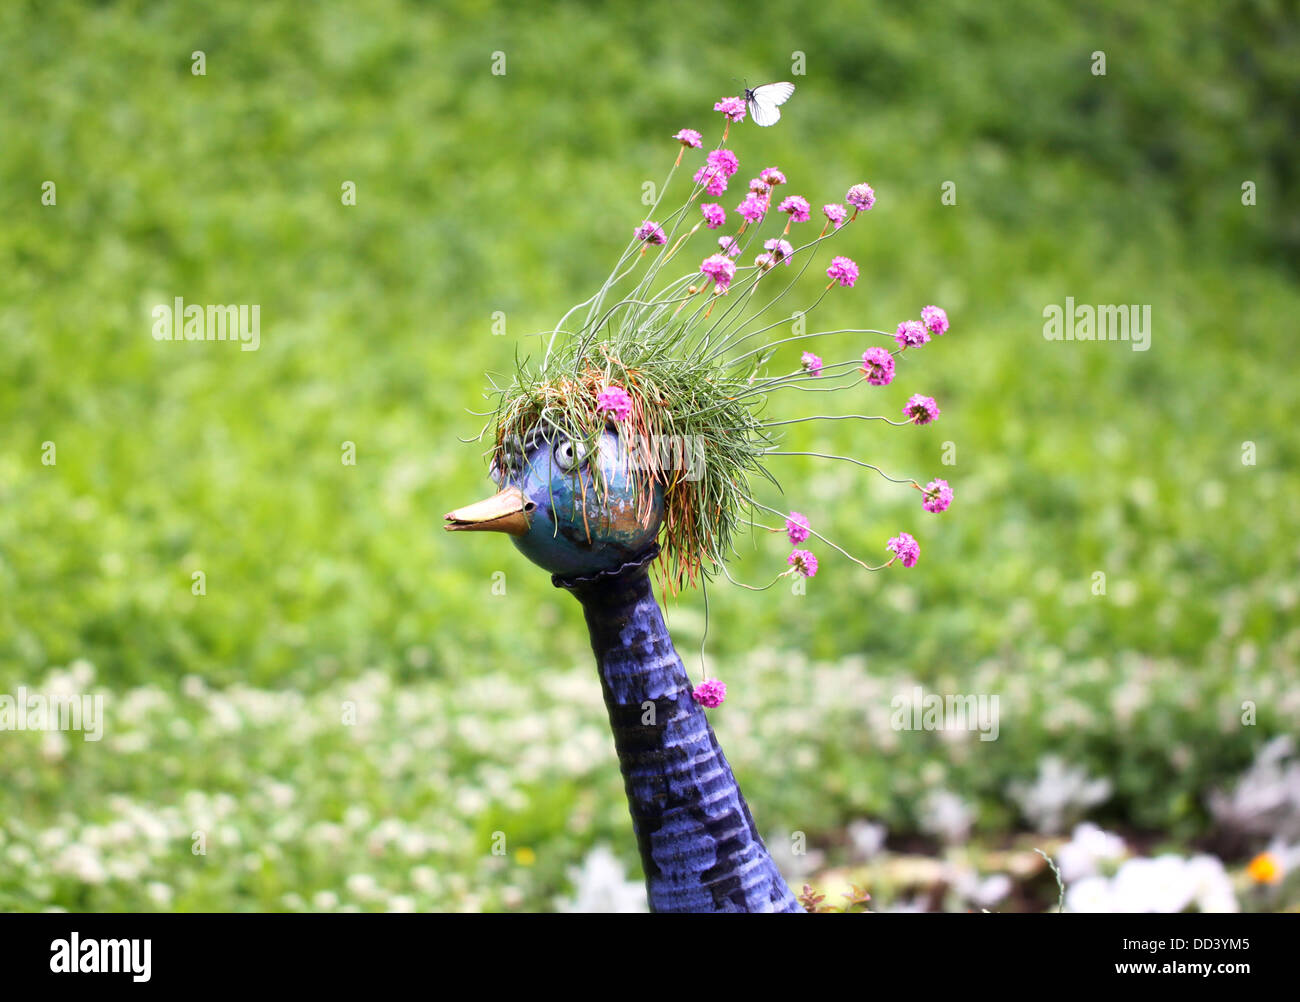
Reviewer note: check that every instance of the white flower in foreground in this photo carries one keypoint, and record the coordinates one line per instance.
(1091, 894)
(1213, 887)
(1166, 884)
(1088, 849)
(600, 885)
(1160, 885)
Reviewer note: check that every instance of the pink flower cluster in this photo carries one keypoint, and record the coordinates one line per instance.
(803, 562)
(920, 410)
(911, 334)
(935, 320)
(861, 197)
(905, 548)
(614, 401)
(721, 269)
(796, 207)
(691, 138)
(811, 363)
(781, 249)
(753, 207)
(936, 496)
(732, 108)
(878, 364)
(714, 215)
(914, 333)
(842, 270)
(710, 693)
(651, 233)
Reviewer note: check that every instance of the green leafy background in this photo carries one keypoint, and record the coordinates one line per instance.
(478, 193)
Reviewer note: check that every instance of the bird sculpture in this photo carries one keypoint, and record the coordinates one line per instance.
(636, 442)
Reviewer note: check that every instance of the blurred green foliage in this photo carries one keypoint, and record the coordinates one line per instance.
(479, 193)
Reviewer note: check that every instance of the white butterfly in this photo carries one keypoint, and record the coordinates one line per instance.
(762, 102)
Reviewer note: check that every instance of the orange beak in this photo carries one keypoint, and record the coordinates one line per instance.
(505, 512)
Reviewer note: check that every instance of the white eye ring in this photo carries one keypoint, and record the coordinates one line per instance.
(569, 454)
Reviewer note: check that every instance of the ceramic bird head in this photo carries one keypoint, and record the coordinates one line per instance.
(573, 508)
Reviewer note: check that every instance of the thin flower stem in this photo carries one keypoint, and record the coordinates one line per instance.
(833, 546)
(836, 417)
(741, 584)
(847, 459)
(801, 337)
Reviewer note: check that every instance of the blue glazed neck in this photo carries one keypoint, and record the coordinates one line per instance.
(700, 848)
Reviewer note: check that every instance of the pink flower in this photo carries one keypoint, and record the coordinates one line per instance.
(803, 562)
(753, 208)
(935, 320)
(613, 400)
(764, 262)
(732, 107)
(861, 197)
(811, 363)
(772, 176)
(907, 549)
(911, 334)
(921, 410)
(878, 364)
(835, 213)
(651, 233)
(720, 269)
(796, 527)
(714, 181)
(729, 246)
(714, 215)
(937, 496)
(726, 162)
(760, 187)
(689, 137)
(843, 270)
(781, 249)
(710, 693)
(798, 208)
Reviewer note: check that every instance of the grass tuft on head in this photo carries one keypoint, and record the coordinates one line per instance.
(693, 429)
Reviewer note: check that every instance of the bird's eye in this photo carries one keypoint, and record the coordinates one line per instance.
(569, 454)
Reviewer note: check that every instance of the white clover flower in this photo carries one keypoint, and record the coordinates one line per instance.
(159, 893)
(363, 886)
(80, 862)
(425, 880)
(600, 885)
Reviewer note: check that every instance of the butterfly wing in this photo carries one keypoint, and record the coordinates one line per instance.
(763, 102)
